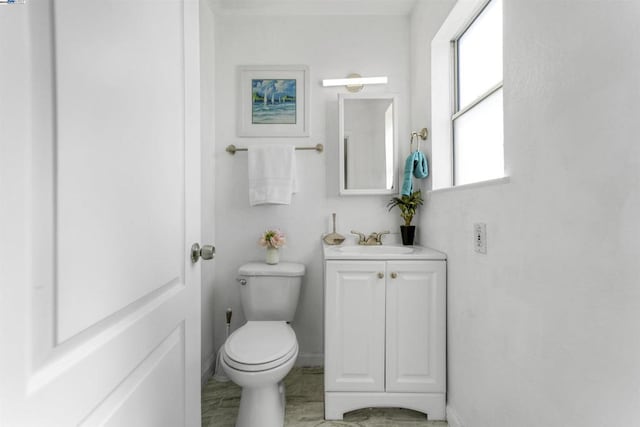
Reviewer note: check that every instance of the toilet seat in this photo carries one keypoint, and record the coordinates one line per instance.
(260, 345)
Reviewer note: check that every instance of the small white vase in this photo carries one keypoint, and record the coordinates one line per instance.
(273, 256)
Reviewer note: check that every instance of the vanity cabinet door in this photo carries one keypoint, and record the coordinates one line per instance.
(415, 329)
(354, 325)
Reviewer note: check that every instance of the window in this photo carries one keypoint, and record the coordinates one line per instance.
(466, 95)
(477, 117)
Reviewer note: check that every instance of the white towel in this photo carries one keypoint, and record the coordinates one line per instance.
(272, 174)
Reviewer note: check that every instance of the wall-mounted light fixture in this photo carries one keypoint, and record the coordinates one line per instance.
(355, 82)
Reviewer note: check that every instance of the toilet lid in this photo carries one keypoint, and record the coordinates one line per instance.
(260, 343)
(282, 269)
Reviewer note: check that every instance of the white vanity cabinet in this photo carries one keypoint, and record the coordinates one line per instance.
(354, 331)
(385, 335)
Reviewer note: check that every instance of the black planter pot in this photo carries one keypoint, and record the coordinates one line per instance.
(408, 233)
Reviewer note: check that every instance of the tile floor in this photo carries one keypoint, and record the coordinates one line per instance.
(305, 408)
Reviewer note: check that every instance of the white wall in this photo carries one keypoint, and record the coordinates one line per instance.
(332, 47)
(207, 74)
(543, 329)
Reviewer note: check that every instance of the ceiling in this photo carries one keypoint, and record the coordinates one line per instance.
(313, 7)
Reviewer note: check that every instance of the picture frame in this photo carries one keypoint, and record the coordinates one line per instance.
(273, 101)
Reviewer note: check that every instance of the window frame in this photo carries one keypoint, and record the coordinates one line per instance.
(456, 111)
(444, 86)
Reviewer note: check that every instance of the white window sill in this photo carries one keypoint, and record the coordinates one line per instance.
(474, 185)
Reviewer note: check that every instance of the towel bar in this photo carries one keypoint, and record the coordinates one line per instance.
(231, 149)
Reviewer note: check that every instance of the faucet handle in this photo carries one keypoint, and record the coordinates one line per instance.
(380, 234)
(361, 237)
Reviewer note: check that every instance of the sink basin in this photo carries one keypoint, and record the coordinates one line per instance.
(377, 250)
(392, 251)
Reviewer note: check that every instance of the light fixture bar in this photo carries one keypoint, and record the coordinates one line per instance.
(355, 81)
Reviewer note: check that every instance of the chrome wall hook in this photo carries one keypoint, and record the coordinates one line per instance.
(422, 134)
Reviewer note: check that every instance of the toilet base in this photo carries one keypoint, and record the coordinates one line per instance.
(262, 401)
(263, 406)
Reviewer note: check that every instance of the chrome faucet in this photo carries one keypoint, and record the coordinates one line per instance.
(371, 239)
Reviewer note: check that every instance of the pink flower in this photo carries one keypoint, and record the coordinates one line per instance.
(272, 239)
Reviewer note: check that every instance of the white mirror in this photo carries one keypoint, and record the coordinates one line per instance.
(368, 133)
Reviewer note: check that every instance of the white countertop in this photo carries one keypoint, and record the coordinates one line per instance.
(381, 252)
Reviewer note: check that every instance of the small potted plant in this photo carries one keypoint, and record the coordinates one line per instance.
(407, 205)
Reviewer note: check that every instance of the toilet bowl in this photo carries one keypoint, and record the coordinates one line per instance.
(259, 354)
(257, 357)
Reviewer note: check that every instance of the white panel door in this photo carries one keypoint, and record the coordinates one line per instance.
(100, 202)
(354, 326)
(416, 301)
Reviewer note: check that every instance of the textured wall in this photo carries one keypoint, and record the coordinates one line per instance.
(543, 329)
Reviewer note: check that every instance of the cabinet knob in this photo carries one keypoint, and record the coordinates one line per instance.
(394, 275)
(380, 275)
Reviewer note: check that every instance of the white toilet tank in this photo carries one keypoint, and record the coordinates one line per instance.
(270, 292)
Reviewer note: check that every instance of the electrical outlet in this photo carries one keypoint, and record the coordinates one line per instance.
(480, 238)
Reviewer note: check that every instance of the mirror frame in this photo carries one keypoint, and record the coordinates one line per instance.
(374, 191)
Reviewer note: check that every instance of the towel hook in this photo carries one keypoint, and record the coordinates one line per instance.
(413, 135)
(422, 134)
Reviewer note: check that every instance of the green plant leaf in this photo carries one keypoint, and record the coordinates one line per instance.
(407, 205)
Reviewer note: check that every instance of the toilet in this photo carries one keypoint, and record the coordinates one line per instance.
(259, 354)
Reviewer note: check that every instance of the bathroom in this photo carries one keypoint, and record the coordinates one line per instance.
(542, 329)
(537, 326)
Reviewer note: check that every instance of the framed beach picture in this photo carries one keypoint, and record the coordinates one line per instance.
(273, 100)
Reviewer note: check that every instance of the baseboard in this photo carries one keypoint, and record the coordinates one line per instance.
(310, 359)
(207, 369)
(452, 418)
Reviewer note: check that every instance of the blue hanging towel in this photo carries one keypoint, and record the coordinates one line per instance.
(416, 165)
(407, 182)
(420, 166)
